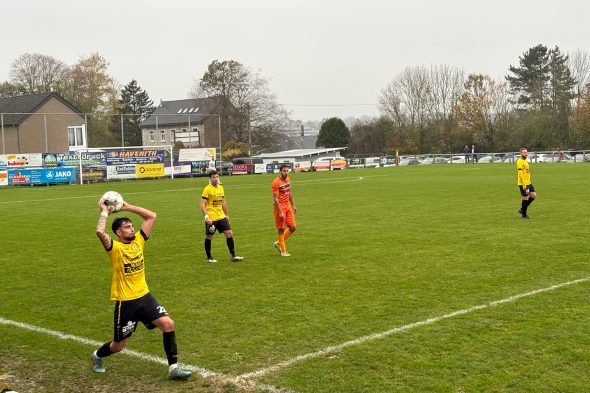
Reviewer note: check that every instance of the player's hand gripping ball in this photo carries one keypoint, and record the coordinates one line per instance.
(113, 200)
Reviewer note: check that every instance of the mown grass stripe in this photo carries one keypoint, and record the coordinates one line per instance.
(404, 328)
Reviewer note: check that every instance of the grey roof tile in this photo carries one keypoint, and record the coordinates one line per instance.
(16, 109)
(177, 112)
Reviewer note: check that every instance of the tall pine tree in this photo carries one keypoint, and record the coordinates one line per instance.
(544, 86)
(135, 106)
(530, 80)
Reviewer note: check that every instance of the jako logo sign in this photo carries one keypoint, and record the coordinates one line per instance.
(62, 174)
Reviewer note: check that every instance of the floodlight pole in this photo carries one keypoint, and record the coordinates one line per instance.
(45, 130)
(2, 121)
(122, 132)
(219, 130)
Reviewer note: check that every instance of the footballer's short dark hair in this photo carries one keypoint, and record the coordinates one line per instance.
(213, 172)
(118, 222)
(283, 166)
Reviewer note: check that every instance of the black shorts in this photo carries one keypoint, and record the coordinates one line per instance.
(220, 225)
(127, 313)
(525, 191)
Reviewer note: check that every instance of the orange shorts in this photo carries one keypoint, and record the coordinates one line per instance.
(289, 219)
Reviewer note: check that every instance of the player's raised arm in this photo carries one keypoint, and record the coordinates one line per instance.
(149, 217)
(100, 226)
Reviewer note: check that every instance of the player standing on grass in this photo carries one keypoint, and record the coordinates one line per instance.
(214, 208)
(527, 190)
(129, 290)
(284, 209)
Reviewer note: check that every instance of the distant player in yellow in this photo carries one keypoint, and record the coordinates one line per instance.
(133, 301)
(214, 208)
(527, 190)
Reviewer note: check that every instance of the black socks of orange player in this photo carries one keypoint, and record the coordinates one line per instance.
(170, 347)
(230, 245)
(208, 247)
(524, 204)
(104, 351)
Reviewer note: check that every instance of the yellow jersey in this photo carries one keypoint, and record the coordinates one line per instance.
(523, 172)
(128, 278)
(214, 205)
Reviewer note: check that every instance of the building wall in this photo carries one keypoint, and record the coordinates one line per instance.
(188, 137)
(44, 131)
(10, 139)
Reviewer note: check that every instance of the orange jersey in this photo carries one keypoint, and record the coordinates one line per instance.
(283, 189)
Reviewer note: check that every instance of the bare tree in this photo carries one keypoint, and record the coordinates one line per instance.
(446, 85)
(405, 99)
(37, 73)
(579, 65)
(482, 111)
(249, 93)
(420, 101)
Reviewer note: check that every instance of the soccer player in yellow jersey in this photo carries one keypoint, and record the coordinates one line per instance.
(214, 208)
(527, 190)
(133, 301)
(284, 209)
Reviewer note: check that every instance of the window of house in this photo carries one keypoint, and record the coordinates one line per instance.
(76, 136)
(163, 136)
(152, 137)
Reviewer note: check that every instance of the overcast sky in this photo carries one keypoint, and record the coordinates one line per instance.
(323, 58)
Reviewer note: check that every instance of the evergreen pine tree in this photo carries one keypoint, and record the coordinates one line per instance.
(135, 106)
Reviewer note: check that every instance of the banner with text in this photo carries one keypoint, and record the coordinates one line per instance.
(72, 158)
(121, 172)
(42, 176)
(149, 170)
(123, 157)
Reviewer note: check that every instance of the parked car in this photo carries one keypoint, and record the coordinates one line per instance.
(434, 160)
(456, 160)
(488, 159)
(372, 162)
(408, 160)
(554, 157)
(328, 163)
(225, 168)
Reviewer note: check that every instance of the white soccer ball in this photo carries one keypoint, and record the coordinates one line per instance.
(113, 200)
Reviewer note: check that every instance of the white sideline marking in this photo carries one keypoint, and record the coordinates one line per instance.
(403, 328)
(203, 372)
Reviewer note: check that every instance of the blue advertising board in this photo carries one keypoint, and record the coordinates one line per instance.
(42, 176)
(123, 157)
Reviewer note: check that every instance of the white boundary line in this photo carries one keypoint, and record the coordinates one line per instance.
(246, 378)
(401, 329)
(202, 372)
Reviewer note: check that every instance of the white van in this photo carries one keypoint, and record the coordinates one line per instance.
(328, 164)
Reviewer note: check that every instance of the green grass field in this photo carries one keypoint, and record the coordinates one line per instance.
(398, 261)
